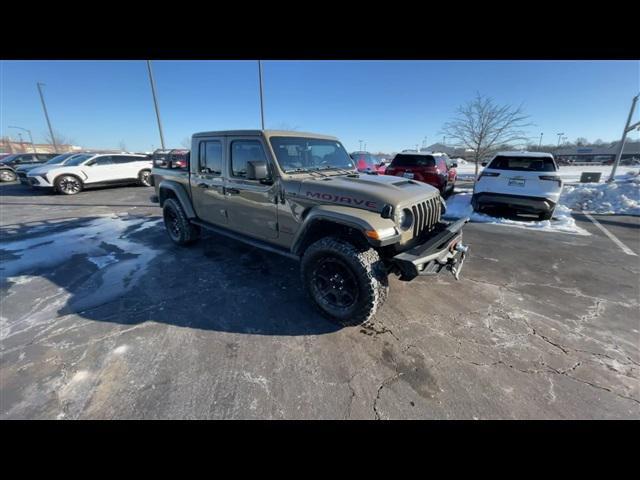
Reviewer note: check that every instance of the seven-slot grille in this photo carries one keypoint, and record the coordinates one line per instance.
(425, 215)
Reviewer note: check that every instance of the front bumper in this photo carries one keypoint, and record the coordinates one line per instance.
(37, 182)
(442, 250)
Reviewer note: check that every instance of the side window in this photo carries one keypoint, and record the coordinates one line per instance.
(442, 164)
(211, 157)
(118, 160)
(106, 160)
(243, 151)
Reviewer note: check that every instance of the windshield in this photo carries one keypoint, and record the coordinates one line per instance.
(77, 160)
(7, 159)
(523, 164)
(59, 159)
(299, 154)
(409, 160)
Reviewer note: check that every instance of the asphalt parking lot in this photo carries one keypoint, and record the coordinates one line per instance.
(102, 317)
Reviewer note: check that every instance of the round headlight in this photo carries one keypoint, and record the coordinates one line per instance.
(405, 219)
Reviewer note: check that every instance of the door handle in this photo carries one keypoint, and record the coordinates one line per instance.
(202, 185)
(232, 191)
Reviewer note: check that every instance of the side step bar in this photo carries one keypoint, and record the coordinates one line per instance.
(245, 239)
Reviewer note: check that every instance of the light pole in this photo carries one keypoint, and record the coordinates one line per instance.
(627, 129)
(30, 136)
(261, 94)
(559, 137)
(46, 115)
(155, 102)
(360, 145)
(540, 142)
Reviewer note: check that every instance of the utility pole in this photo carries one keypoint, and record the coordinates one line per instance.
(33, 145)
(540, 142)
(155, 102)
(627, 129)
(46, 115)
(261, 94)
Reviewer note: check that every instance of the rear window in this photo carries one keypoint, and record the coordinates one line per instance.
(408, 160)
(523, 164)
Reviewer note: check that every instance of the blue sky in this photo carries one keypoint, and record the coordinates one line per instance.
(391, 105)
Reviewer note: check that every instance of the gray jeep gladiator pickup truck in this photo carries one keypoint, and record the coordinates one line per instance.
(300, 195)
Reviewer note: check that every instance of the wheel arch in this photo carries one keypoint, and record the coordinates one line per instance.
(168, 189)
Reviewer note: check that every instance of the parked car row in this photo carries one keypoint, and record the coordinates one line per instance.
(70, 173)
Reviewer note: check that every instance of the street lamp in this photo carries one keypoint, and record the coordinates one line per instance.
(30, 136)
(559, 137)
(155, 102)
(46, 115)
(540, 142)
(627, 128)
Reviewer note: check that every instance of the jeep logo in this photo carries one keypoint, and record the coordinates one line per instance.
(342, 199)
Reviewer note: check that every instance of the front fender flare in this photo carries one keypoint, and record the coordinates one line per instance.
(358, 219)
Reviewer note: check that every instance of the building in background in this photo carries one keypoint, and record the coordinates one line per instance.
(451, 151)
(8, 145)
(598, 154)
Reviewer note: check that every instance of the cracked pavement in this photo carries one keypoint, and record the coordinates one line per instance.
(126, 325)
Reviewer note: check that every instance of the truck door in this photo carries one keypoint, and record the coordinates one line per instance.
(207, 181)
(252, 204)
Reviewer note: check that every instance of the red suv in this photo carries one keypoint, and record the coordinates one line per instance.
(431, 168)
(365, 162)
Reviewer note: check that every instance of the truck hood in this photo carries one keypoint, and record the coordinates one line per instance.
(371, 192)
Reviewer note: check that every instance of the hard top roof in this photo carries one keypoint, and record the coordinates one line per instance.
(266, 133)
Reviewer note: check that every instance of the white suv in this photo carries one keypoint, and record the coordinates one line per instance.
(525, 182)
(92, 170)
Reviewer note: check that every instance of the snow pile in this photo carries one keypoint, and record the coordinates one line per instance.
(619, 197)
(568, 173)
(459, 206)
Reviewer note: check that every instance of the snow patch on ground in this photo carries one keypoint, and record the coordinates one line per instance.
(619, 197)
(98, 241)
(103, 260)
(459, 206)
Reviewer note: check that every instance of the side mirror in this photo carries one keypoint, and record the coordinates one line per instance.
(257, 170)
(484, 164)
(90, 164)
(454, 165)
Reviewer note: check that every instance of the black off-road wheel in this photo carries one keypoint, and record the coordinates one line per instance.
(181, 231)
(7, 176)
(346, 283)
(68, 185)
(145, 179)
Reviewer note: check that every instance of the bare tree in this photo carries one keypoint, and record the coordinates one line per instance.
(60, 139)
(581, 142)
(483, 126)
(186, 142)
(122, 146)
